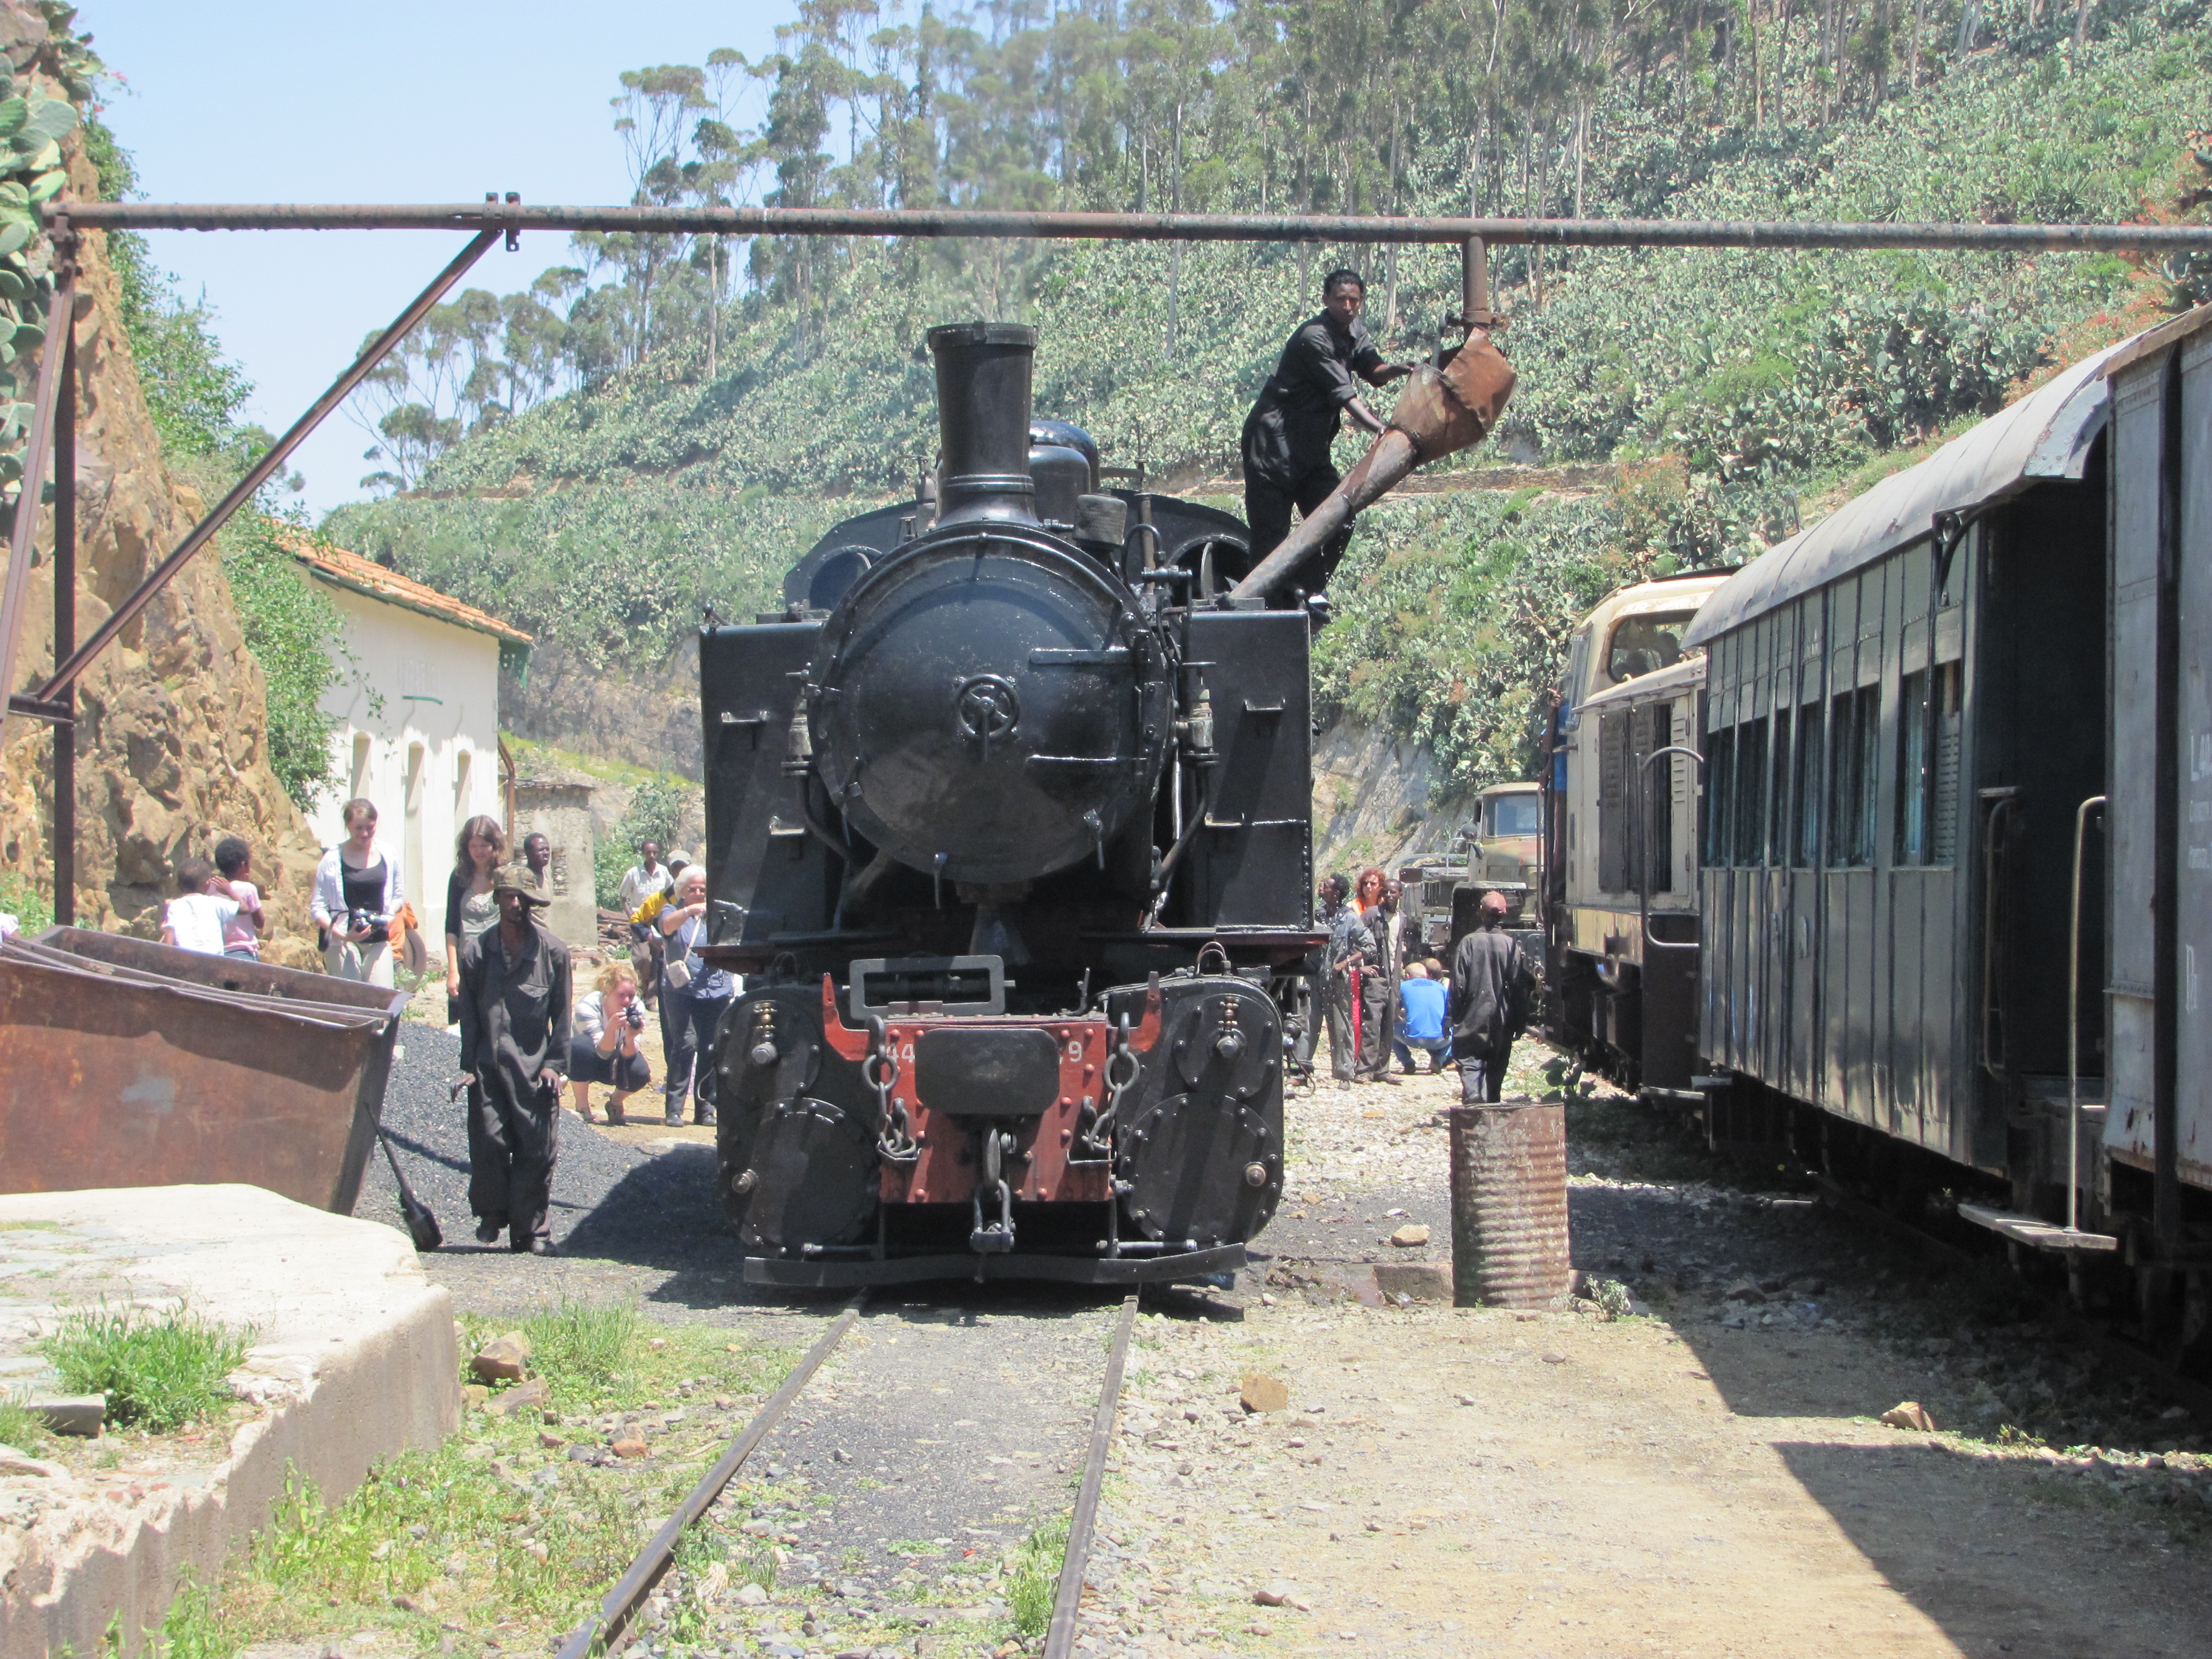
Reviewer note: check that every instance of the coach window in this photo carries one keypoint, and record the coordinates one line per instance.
(1778, 792)
(1720, 795)
(1805, 787)
(1750, 792)
(1943, 781)
(1916, 777)
(1854, 729)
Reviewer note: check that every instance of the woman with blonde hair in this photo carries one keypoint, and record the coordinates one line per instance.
(357, 892)
(603, 1044)
(470, 906)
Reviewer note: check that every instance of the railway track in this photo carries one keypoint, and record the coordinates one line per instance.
(617, 1620)
(2056, 1309)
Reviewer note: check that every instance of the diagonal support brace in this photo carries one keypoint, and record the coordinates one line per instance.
(66, 674)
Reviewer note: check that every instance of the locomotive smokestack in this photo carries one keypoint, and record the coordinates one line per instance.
(983, 418)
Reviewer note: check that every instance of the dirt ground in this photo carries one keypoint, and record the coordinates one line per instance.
(1707, 1478)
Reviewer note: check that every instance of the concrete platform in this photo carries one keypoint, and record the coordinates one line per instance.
(353, 1359)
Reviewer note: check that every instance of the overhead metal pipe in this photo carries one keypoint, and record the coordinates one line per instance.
(65, 674)
(508, 218)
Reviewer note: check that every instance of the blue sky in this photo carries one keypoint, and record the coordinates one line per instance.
(241, 101)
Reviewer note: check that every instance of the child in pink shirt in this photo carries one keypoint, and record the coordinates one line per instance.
(241, 933)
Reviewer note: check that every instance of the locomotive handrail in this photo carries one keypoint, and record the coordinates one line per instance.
(2074, 1022)
(1643, 858)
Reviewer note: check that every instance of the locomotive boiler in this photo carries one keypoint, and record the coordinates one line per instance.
(1009, 831)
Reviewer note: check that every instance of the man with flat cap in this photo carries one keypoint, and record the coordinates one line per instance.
(1292, 427)
(514, 1054)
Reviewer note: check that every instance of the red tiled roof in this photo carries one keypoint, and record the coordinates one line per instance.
(336, 565)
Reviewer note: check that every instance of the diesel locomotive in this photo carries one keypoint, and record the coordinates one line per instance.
(1008, 821)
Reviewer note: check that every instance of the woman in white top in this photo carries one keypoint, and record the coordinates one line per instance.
(356, 893)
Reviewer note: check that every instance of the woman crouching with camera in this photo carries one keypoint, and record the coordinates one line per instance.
(603, 1046)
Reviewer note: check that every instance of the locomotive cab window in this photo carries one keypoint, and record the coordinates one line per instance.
(1646, 644)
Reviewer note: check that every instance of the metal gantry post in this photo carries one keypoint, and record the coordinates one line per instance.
(65, 724)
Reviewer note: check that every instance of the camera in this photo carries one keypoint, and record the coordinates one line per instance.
(635, 1017)
(357, 919)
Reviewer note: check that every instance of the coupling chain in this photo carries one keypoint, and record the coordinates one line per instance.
(880, 1072)
(1122, 1070)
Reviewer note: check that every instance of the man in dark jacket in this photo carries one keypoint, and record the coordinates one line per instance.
(514, 1050)
(1491, 987)
(1291, 430)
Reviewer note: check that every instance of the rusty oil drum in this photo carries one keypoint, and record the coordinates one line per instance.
(1509, 1191)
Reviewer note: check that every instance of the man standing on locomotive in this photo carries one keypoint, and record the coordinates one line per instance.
(514, 1056)
(1492, 986)
(1289, 434)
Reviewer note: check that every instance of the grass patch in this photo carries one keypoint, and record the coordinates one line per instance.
(20, 1426)
(587, 1346)
(493, 1531)
(601, 1356)
(158, 1372)
(1033, 1578)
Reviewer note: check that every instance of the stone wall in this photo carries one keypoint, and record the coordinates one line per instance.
(1372, 802)
(560, 810)
(172, 736)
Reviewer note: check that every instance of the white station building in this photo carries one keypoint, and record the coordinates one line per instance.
(417, 702)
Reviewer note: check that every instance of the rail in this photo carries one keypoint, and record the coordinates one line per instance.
(1067, 1599)
(609, 1626)
(602, 1632)
(511, 218)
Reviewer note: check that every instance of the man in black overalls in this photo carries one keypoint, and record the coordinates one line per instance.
(514, 1052)
(1288, 435)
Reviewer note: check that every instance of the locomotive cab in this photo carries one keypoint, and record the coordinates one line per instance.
(1009, 831)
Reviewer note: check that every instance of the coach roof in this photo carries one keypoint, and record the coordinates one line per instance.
(2046, 434)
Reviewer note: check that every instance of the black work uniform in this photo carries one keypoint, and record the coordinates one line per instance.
(1491, 987)
(1288, 435)
(514, 1028)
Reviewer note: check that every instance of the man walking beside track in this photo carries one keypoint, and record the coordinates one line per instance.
(1492, 986)
(514, 1057)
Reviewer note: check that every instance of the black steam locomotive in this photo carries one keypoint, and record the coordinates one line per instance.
(1009, 831)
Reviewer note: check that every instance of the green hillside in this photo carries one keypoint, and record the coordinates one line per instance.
(671, 420)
